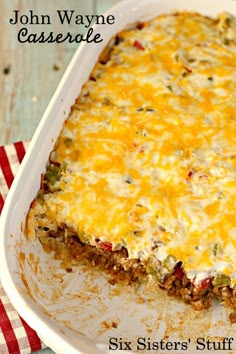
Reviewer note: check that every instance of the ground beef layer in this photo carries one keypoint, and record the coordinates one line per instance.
(122, 269)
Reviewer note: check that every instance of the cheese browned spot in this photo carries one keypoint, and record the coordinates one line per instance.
(146, 161)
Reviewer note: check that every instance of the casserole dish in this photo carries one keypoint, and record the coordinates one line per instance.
(76, 311)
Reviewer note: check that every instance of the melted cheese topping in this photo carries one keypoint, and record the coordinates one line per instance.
(149, 153)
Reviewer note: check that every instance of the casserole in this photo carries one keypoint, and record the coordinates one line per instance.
(131, 179)
(30, 276)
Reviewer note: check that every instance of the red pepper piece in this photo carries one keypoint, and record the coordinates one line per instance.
(138, 45)
(189, 175)
(106, 246)
(179, 272)
(205, 283)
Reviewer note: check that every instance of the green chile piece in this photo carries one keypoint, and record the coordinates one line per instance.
(169, 262)
(154, 272)
(52, 176)
(221, 280)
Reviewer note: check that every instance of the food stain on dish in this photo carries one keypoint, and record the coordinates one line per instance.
(84, 301)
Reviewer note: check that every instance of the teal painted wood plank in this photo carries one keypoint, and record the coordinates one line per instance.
(45, 351)
(104, 5)
(30, 73)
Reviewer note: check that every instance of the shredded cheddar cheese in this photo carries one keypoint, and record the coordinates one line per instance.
(148, 155)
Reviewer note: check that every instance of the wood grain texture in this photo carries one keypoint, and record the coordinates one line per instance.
(30, 72)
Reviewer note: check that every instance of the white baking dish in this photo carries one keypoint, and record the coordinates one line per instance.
(78, 312)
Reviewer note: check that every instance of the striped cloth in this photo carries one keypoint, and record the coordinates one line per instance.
(16, 337)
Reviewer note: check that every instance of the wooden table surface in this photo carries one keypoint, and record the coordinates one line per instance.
(30, 72)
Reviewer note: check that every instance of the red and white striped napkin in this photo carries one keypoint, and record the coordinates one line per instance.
(16, 337)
